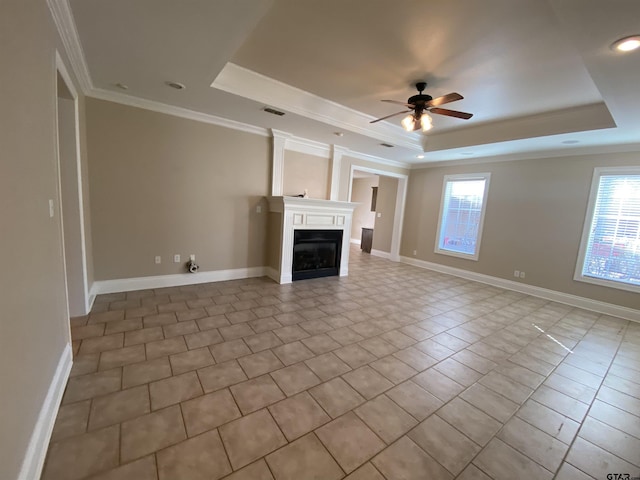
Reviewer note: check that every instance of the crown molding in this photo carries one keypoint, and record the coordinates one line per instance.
(66, 25)
(372, 158)
(260, 88)
(302, 145)
(551, 153)
(159, 107)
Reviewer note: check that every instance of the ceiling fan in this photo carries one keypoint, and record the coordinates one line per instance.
(419, 104)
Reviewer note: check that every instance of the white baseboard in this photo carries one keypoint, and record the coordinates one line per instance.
(553, 295)
(91, 301)
(37, 450)
(381, 254)
(176, 280)
(356, 241)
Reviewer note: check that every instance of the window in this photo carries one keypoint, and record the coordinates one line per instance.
(462, 214)
(610, 248)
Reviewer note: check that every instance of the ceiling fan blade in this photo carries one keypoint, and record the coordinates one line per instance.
(448, 98)
(399, 103)
(389, 116)
(451, 113)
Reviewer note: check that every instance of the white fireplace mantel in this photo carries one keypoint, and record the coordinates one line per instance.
(311, 214)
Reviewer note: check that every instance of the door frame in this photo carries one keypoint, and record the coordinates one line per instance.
(401, 197)
(62, 72)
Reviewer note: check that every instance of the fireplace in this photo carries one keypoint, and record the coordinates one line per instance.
(308, 238)
(316, 253)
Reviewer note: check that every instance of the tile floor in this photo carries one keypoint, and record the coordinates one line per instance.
(391, 373)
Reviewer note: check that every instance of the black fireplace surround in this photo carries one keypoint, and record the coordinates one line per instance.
(316, 253)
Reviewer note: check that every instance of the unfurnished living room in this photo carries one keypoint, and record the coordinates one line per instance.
(298, 239)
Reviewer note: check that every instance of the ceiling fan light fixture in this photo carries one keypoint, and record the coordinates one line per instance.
(409, 123)
(626, 44)
(426, 122)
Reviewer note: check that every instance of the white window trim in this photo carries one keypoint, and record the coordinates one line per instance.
(458, 177)
(586, 228)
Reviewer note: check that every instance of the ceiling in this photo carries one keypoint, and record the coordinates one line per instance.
(538, 75)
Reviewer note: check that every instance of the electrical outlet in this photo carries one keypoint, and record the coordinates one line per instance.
(379, 214)
(516, 273)
(176, 258)
(521, 274)
(192, 257)
(415, 252)
(158, 259)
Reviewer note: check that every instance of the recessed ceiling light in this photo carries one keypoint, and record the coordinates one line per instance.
(176, 85)
(571, 142)
(338, 134)
(419, 156)
(122, 86)
(626, 44)
(467, 154)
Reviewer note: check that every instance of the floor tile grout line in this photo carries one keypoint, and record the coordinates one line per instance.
(577, 434)
(495, 435)
(414, 344)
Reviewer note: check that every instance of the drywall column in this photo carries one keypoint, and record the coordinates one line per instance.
(277, 162)
(336, 165)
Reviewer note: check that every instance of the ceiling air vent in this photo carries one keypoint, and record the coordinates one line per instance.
(273, 111)
(388, 145)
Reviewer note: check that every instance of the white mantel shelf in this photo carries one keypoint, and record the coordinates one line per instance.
(310, 214)
(279, 204)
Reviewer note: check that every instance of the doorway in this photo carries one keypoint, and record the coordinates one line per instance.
(377, 221)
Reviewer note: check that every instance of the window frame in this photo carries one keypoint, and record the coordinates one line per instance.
(463, 177)
(588, 222)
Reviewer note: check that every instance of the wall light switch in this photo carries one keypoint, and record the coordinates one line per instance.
(521, 274)
(192, 257)
(50, 208)
(415, 252)
(379, 214)
(176, 258)
(259, 209)
(158, 259)
(516, 273)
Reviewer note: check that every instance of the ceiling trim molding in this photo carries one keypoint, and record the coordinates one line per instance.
(372, 158)
(552, 153)
(260, 88)
(303, 145)
(159, 107)
(66, 26)
(572, 120)
(319, 149)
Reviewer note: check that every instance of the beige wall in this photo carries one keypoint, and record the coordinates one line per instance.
(34, 327)
(163, 185)
(533, 223)
(385, 208)
(363, 217)
(274, 242)
(303, 171)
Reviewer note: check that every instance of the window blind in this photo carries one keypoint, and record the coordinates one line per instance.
(461, 215)
(613, 246)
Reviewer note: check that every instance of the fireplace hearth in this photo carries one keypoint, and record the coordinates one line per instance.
(316, 253)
